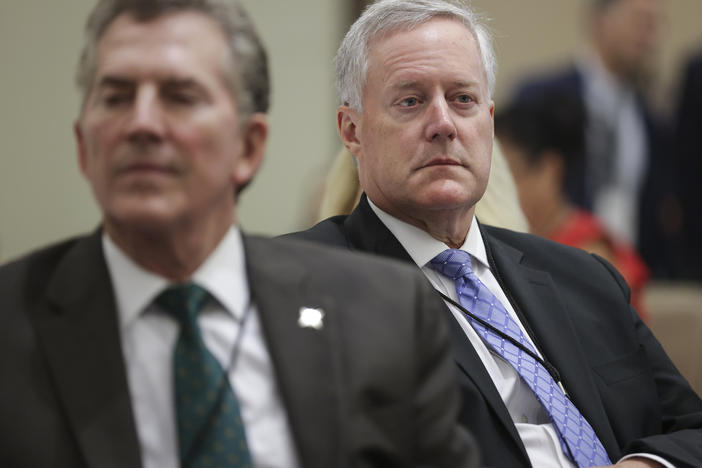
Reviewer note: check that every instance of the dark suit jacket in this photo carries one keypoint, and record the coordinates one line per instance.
(657, 232)
(374, 387)
(688, 149)
(576, 308)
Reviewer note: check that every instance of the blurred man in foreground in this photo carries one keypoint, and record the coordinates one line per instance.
(167, 338)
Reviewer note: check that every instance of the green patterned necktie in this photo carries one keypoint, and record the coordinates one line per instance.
(210, 430)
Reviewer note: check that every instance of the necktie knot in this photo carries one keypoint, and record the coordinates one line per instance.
(184, 302)
(453, 263)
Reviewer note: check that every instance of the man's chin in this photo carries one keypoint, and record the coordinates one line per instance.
(146, 216)
(446, 198)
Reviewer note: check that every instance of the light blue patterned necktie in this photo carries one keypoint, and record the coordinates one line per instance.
(210, 430)
(578, 440)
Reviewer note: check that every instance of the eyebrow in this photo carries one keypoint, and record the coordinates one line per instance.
(466, 83)
(114, 82)
(180, 83)
(120, 82)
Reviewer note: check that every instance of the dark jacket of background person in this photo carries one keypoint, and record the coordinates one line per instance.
(688, 144)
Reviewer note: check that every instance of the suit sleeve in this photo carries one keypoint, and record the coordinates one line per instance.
(441, 441)
(680, 440)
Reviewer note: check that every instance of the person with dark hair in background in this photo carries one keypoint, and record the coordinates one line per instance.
(556, 368)
(627, 179)
(168, 338)
(544, 141)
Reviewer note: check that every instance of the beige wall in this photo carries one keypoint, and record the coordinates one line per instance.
(42, 197)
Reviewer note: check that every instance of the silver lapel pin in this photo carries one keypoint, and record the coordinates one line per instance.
(311, 318)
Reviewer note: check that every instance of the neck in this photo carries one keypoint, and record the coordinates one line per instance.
(448, 226)
(172, 253)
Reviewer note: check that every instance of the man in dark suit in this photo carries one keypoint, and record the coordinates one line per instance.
(627, 178)
(688, 152)
(536, 326)
(167, 338)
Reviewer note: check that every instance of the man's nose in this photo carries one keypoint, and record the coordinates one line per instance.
(146, 124)
(440, 123)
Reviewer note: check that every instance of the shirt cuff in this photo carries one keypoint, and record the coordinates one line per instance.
(656, 458)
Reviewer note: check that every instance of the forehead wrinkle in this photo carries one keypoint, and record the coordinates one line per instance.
(456, 83)
(114, 80)
(410, 59)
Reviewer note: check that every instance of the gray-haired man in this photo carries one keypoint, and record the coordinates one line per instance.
(556, 368)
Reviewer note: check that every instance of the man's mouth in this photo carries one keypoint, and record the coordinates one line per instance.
(442, 162)
(146, 168)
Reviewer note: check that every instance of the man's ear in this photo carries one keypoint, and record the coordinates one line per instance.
(492, 117)
(347, 121)
(80, 147)
(254, 136)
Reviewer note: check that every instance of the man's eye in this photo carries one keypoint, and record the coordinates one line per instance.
(464, 99)
(115, 99)
(181, 98)
(409, 102)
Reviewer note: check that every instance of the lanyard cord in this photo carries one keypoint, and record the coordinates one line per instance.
(547, 365)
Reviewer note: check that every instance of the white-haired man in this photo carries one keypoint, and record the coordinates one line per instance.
(556, 368)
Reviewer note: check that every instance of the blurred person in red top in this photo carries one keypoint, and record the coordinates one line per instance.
(544, 142)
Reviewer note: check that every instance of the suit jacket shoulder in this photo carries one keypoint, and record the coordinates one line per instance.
(64, 396)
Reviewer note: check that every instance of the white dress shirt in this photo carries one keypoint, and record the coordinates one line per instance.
(148, 336)
(613, 104)
(538, 434)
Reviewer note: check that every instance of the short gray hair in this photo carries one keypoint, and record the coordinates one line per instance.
(248, 77)
(390, 15)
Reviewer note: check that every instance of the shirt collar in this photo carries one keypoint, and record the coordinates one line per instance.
(223, 275)
(422, 247)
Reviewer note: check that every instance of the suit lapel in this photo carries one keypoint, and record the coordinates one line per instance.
(305, 361)
(78, 330)
(366, 232)
(536, 300)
